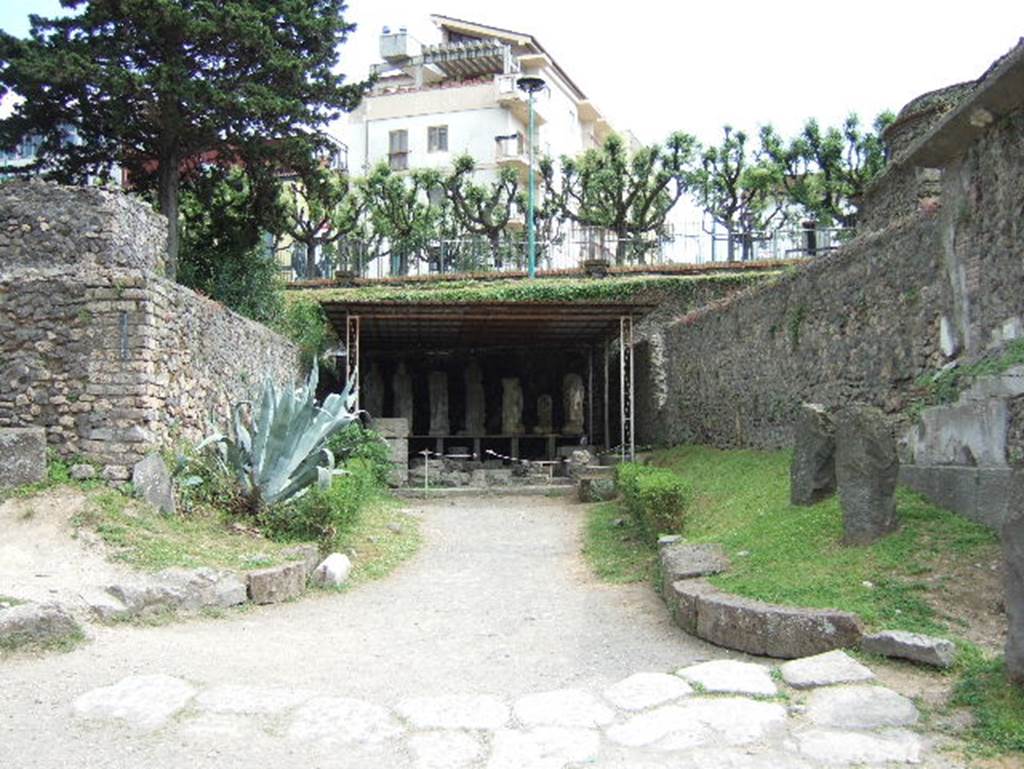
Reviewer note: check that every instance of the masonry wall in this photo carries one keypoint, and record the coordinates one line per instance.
(98, 348)
(939, 279)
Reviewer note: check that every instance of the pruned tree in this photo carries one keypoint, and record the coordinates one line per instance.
(400, 222)
(825, 171)
(628, 194)
(484, 210)
(739, 190)
(320, 206)
(149, 84)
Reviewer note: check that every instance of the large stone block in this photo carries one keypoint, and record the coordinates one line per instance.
(152, 481)
(277, 584)
(22, 456)
(813, 472)
(867, 470)
(938, 652)
(1013, 560)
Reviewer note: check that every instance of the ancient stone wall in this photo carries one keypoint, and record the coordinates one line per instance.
(921, 290)
(109, 357)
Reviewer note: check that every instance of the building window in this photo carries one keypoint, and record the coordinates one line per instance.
(398, 150)
(437, 138)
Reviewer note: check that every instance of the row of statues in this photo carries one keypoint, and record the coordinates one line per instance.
(573, 395)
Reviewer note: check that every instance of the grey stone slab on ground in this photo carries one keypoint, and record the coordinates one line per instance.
(22, 456)
(334, 721)
(731, 677)
(454, 711)
(36, 623)
(445, 749)
(152, 481)
(239, 698)
(812, 475)
(276, 584)
(645, 690)
(830, 668)
(860, 706)
(545, 747)
(562, 707)
(143, 702)
(682, 560)
(1013, 561)
(928, 650)
(888, 746)
(867, 469)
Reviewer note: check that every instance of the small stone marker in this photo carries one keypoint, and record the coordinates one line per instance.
(1013, 561)
(333, 571)
(834, 667)
(866, 473)
(152, 481)
(927, 650)
(22, 456)
(731, 677)
(812, 476)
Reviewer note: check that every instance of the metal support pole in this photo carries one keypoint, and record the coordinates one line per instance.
(627, 446)
(590, 395)
(352, 352)
(531, 231)
(607, 398)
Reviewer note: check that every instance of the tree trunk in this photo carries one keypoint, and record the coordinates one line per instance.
(621, 246)
(310, 260)
(731, 257)
(495, 240)
(168, 199)
(748, 245)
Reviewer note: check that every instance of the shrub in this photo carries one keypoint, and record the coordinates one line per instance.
(324, 514)
(355, 441)
(655, 498)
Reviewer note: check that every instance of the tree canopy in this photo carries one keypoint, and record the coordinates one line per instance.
(152, 84)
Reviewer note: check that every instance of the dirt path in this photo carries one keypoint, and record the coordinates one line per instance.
(433, 667)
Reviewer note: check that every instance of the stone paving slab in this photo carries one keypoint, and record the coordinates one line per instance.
(454, 712)
(143, 702)
(837, 747)
(834, 667)
(564, 707)
(645, 690)
(731, 677)
(860, 707)
(341, 721)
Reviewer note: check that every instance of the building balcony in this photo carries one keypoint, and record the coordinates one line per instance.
(517, 101)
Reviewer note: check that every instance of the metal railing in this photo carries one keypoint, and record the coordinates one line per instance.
(568, 250)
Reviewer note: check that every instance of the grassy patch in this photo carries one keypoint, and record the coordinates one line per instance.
(142, 537)
(58, 473)
(7, 601)
(63, 644)
(997, 705)
(380, 540)
(616, 552)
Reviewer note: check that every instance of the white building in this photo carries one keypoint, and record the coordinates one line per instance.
(433, 102)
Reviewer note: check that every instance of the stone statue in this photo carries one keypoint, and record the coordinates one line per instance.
(476, 411)
(573, 393)
(371, 395)
(512, 407)
(401, 383)
(545, 425)
(438, 382)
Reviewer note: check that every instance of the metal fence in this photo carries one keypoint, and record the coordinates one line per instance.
(571, 249)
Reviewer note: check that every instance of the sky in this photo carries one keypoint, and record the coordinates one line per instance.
(656, 67)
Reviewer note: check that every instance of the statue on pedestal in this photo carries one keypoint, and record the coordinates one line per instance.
(573, 395)
(438, 382)
(545, 406)
(476, 413)
(512, 407)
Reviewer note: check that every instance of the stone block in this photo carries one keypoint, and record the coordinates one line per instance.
(34, 623)
(308, 553)
(986, 495)
(682, 560)
(391, 427)
(828, 669)
(595, 489)
(867, 470)
(684, 598)
(83, 472)
(277, 584)
(937, 652)
(152, 481)
(1013, 564)
(970, 433)
(333, 571)
(22, 456)
(813, 471)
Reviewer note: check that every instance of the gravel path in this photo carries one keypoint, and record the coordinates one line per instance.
(444, 664)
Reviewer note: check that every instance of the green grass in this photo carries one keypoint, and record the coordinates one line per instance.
(997, 705)
(378, 549)
(142, 537)
(617, 553)
(9, 600)
(66, 643)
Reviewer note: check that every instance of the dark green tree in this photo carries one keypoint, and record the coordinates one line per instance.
(149, 84)
(739, 190)
(824, 172)
(629, 194)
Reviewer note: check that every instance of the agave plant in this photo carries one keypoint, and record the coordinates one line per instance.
(278, 449)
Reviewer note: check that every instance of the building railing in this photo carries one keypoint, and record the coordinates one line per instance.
(575, 248)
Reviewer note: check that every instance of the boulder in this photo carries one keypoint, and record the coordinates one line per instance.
(867, 469)
(596, 489)
(36, 623)
(812, 475)
(22, 456)
(277, 584)
(937, 652)
(1013, 560)
(333, 571)
(152, 481)
(205, 588)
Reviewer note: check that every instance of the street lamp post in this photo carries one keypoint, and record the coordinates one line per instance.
(531, 84)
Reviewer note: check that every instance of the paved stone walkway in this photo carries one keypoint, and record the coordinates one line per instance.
(492, 649)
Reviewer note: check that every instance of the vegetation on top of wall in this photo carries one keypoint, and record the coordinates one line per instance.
(627, 289)
(946, 386)
(304, 321)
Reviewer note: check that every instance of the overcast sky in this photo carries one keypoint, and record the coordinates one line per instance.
(655, 67)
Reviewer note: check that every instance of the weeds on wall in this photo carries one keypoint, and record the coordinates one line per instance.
(945, 386)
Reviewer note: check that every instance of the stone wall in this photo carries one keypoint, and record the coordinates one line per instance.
(935, 280)
(109, 357)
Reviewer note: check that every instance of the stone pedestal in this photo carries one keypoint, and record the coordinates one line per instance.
(476, 412)
(401, 382)
(812, 475)
(372, 395)
(22, 456)
(867, 469)
(512, 407)
(438, 383)
(573, 395)
(545, 424)
(396, 433)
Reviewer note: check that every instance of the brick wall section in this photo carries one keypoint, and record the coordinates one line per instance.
(107, 355)
(861, 324)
